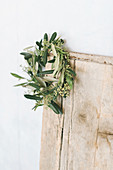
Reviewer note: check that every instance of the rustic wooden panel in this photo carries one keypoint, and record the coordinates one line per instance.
(82, 138)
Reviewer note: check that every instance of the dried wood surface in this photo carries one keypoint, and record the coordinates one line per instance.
(82, 138)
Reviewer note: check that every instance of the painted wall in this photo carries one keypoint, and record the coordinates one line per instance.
(86, 25)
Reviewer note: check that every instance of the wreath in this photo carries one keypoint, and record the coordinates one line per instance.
(46, 85)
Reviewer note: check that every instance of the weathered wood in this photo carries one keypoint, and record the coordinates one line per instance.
(82, 138)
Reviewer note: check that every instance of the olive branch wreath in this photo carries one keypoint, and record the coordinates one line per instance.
(46, 85)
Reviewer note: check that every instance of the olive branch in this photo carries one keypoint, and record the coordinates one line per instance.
(46, 85)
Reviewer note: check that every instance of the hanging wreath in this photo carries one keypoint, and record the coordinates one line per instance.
(46, 85)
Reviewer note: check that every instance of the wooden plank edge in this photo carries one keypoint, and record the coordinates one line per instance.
(92, 58)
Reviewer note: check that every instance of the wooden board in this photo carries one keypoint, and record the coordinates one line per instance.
(82, 138)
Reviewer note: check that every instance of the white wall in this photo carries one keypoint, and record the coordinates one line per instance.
(87, 25)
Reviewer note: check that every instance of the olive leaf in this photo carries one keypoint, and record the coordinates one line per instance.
(17, 76)
(53, 50)
(26, 55)
(62, 77)
(48, 91)
(53, 37)
(47, 78)
(51, 61)
(39, 44)
(46, 37)
(56, 65)
(69, 81)
(39, 68)
(22, 84)
(71, 71)
(40, 81)
(46, 72)
(55, 107)
(34, 85)
(45, 57)
(37, 105)
(32, 97)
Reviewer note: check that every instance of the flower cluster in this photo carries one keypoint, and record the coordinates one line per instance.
(62, 90)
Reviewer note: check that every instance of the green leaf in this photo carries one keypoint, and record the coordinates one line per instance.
(37, 105)
(26, 55)
(53, 37)
(45, 57)
(51, 106)
(39, 68)
(49, 91)
(38, 58)
(17, 76)
(62, 77)
(47, 78)
(34, 85)
(53, 50)
(22, 84)
(62, 41)
(55, 107)
(59, 81)
(41, 41)
(71, 71)
(40, 81)
(51, 61)
(32, 97)
(42, 63)
(69, 81)
(39, 44)
(56, 64)
(46, 37)
(46, 72)
(30, 73)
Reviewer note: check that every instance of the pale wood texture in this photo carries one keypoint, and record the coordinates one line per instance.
(82, 138)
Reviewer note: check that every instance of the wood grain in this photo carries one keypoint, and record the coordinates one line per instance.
(82, 138)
